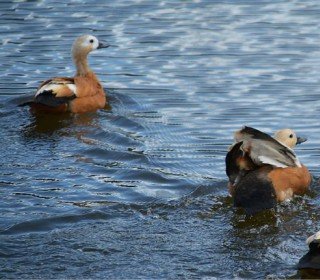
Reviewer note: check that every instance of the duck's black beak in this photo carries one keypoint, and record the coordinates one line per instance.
(103, 45)
(301, 140)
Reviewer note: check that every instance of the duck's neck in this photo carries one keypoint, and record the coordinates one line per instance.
(81, 63)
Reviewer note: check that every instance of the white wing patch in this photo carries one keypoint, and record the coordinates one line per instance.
(297, 162)
(57, 86)
(274, 162)
(48, 87)
(271, 161)
(73, 88)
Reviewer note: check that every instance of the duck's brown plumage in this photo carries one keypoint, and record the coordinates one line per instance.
(80, 94)
(256, 181)
(289, 181)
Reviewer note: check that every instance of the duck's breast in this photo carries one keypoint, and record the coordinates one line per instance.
(90, 95)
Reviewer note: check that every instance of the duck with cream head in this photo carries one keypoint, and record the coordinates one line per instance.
(309, 264)
(263, 170)
(80, 94)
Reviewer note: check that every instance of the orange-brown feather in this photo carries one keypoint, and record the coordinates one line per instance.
(289, 181)
(64, 91)
(87, 104)
(245, 163)
(87, 85)
(90, 94)
(89, 91)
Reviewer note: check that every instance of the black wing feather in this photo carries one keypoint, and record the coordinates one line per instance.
(49, 99)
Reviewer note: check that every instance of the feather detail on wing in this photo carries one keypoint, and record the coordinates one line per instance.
(263, 149)
(271, 161)
(56, 91)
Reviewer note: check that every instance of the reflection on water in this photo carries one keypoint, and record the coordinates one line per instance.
(41, 123)
(120, 192)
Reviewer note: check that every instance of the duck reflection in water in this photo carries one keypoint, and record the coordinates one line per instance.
(48, 125)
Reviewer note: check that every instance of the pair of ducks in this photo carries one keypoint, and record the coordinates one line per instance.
(261, 169)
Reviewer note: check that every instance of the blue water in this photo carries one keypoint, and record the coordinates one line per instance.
(139, 190)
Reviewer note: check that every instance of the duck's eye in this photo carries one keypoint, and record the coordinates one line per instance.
(291, 135)
(91, 41)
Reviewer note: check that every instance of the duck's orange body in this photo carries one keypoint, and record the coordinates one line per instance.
(290, 181)
(80, 94)
(263, 171)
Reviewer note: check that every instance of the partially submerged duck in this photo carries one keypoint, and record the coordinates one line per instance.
(263, 170)
(80, 94)
(309, 264)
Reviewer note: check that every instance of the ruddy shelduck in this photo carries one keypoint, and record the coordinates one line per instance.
(80, 94)
(309, 264)
(263, 170)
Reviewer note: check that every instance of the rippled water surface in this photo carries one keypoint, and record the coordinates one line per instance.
(139, 190)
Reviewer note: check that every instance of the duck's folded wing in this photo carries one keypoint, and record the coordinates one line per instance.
(56, 91)
(247, 132)
(263, 149)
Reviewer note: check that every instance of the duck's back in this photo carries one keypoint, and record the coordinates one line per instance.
(78, 95)
(54, 95)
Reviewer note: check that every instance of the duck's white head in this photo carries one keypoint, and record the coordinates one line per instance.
(85, 44)
(81, 47)
(288, 138)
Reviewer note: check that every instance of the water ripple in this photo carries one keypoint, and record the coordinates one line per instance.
(119, 192)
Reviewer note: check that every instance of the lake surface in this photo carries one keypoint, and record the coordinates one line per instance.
(139, 190)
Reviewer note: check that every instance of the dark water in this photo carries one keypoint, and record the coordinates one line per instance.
(139, 191)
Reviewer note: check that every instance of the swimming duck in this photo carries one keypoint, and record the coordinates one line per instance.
(309, 264)
(263, 170)
(80, 94)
